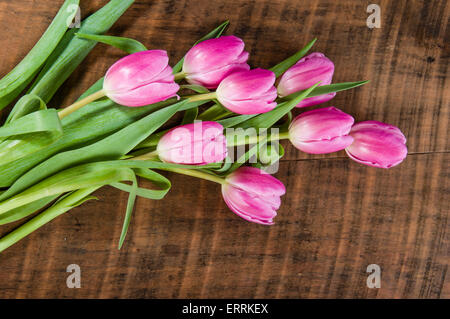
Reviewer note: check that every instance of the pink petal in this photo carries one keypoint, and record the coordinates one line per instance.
(245, 85)
(214, 54)
(324, 146)
(145, 95)
(315, 100)
(135, 70)
(213, 78)
(377, 144)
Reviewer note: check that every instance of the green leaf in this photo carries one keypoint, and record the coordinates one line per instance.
(24, 107)
(15, 81)
(125, 44)
(44, 127)
(78, 177)
(267, 120)
(217, 32)
(49, 214)
(190, 116)
(195, 87)
(111, 147)
(268, 155)
(253, 150)
(215, 112)
(26, 210)
(325, 89)
(94, 174)
(97, 86)
(157, 179)
(129, 211)
(282, 67)
(73, 50)
(235, 120)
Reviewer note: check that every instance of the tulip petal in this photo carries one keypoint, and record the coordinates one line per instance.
(135, 70)
(214, 54)
(145, 95)
(197, 144)
(257, 181)
(315, 100)
(247, 207)
(246, 84)
(248, 107)
(324, 146)
(213, 78)
(304, 74)
(377, 144)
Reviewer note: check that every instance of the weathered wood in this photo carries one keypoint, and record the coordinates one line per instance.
(337, 217)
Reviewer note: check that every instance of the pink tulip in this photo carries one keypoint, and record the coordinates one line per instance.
(248, 92)
(253, 194)
(198, 143)
(321, 131)
(210, 61)
(304, 74)
(377, 144)
(140, 79)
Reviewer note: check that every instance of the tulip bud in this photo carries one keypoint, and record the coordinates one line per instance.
(140, 79)
(248, 92)
(253, 194)
(198, 143)
(304, 74)
(321, 131)
(377, 144)
(210, 61)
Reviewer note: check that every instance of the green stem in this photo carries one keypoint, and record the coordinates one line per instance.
(254, 139)
(179, 76)
(146, 156)
(215, 112)
(46, 216)
(202, 97)
(196, 173)
(79, 104)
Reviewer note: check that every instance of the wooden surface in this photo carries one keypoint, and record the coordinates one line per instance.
(337, 216)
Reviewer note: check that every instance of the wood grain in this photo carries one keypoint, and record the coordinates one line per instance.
(337, 217)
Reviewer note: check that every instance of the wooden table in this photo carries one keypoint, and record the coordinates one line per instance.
(337, 216)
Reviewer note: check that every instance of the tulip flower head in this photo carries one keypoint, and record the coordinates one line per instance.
(248, 92)
(304, 74)
(210, 61)
(140, 79)
(253, 194)
(377, 144)
(198, 143)
(321, 131)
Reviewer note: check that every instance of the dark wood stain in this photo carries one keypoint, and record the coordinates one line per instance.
(337, 216)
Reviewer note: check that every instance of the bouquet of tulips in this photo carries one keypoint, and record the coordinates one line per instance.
(145, 116)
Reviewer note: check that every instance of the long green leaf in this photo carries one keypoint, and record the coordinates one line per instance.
(267, 120)
(325, 89)
(63, 63)
(15, 81)
(69, 202)
(130, 206)
(78, 177)
(111, 147)
(90, 174)
(43, 126)
(26, 210)
(282, 67)
(125, 44)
